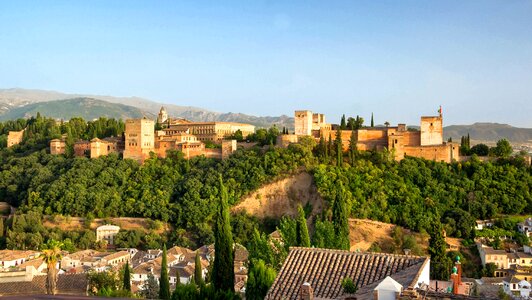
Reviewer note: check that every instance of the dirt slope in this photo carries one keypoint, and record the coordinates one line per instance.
(363, 233)
(75, 223)
(282, 197)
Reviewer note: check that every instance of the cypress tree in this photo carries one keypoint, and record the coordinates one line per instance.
(372, 124)
(340, 218)
(164, 282)
(339, 149)
(127, 278)
(261, 278)
(223, 274)
(322, 148)
(330, 146)
(198, 274)
(353, 146)
(440, 264)
(343, 124)
(303, 239)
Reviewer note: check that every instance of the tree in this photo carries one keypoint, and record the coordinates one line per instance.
(238, 135)
(127, 277)
(164, 282)
(387, 124)
(353, 146)
(303, 238)
(50, 256)
(187, 291)
(261, 278)
(198, 273)
(503, 148)
(104, 283)
(343, 124)
(372, 123)
(340, 218)
(349, 286)
(489, 270)
(464, 145)
(480, 150)
(150, 289)
(223, 274)
(440, 264)
(288, 230)
(324, 235)
(339, 148)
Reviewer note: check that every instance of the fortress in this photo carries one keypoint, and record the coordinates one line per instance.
(427, 142)
(140, 139)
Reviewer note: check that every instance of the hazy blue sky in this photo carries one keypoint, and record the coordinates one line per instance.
(398, 59)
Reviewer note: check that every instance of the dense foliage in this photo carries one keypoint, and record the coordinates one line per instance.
(38, 131)
(171, 189)
(415, 192)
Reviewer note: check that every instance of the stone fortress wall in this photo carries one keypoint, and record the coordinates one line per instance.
(14, 138)
(427, 143)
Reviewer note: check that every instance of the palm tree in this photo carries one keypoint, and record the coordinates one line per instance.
(51, 255)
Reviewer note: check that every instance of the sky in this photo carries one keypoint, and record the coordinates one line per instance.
(397, 59)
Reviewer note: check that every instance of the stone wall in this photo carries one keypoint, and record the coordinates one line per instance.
(57, 146)
(303, 122)
(82, 148)
(431, 131)
(284, 140)
(14, 138)
(446, 152)
(139, 139)
(228, 147)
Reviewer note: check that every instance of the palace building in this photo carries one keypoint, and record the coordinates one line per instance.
(140, 139)
(427, 142)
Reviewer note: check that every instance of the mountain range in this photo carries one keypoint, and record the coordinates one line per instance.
(24, 103)
(21, 103)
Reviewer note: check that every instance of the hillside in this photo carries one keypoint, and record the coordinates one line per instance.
(281, 198)
(87, 108)
(16, 99)
(364, 233)
(488, 132)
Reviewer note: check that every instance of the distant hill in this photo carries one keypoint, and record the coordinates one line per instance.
(87, 108)
(489, 132)
(16, 99)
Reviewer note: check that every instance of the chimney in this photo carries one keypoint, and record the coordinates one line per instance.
(306, 292)
(456, 276)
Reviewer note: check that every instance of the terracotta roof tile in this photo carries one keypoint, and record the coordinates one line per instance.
(70, 284)
(324, 269)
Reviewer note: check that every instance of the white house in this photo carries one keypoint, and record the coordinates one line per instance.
(525, 227)
(107, 232)
(388, 289)
(513, 285)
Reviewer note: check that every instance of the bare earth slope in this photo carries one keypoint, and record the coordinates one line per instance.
(363, 233)
(282, 197)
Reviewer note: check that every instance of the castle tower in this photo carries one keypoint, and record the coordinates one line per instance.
(139, 139)
(163, 116)
(303, 122)
(432, 130)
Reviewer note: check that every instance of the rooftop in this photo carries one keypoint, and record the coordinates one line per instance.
(8, 255)
(324, 270)
(73, 284)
